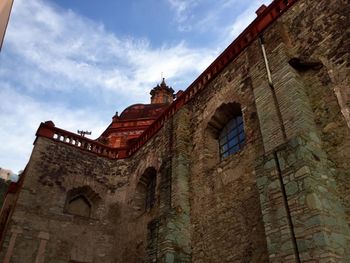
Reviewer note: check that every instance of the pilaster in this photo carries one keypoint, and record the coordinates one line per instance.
(175, 226)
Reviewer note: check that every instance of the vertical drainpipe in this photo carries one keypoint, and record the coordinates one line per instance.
(279, 172)
(269, 77)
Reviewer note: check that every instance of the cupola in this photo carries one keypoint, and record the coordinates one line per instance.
(162, 93)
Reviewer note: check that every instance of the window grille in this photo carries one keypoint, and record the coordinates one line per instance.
(232, 137)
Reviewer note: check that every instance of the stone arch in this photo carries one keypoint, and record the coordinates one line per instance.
(79, 205)
(145, 192)
(82, 201)
(222, 115)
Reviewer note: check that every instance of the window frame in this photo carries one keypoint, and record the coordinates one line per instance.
(232, 137)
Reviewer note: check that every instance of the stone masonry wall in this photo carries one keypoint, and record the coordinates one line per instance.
(303, 214)
(44, 232)
(309, 33)
(132, 227)
(322, 34)
(284, 197)
(225, 212)
(164, 152)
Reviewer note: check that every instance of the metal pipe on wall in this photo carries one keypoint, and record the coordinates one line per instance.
(277, 163)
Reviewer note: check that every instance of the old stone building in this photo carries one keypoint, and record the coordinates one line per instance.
(249, 164)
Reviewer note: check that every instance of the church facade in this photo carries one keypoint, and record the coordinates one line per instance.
(249, 164)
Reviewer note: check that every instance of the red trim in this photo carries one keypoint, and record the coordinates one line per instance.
(13, 187)
(83, 143)
(265, 19)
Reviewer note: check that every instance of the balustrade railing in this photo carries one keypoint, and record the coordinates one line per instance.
(265, 18)
(48, 130)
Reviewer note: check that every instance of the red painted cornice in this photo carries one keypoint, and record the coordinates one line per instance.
(265, 18)
(48, 130)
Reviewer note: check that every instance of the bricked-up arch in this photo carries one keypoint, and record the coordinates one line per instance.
(145, 195)
(82, 201)
(222, 116)
(79, 206)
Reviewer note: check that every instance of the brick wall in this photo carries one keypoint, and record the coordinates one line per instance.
(53, 170)
(284, 197)
(225, 210)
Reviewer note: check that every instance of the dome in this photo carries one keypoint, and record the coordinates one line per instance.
(143, 111)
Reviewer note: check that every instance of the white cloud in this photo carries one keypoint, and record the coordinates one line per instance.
(182, 7)
(53, 60)
(183, 12)
(20, 117)
(213, 17)
(230, 32)
(65, 45)
(245, 18)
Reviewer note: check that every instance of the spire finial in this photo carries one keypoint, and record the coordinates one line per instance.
(162, 93)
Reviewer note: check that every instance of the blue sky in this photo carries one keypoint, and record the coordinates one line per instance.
(78, 62)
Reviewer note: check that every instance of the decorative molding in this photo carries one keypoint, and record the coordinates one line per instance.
(266, 16)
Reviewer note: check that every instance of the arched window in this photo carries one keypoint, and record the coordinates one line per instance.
(225, 133)
(79, 206)
(145, 196)
(151, 191)
(232, 137)
(81, 201)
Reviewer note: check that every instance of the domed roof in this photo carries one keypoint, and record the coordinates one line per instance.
(143, 111)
